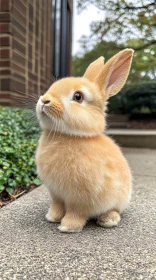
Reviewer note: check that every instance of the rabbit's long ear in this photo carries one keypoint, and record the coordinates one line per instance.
(114, 73)
(94, 69)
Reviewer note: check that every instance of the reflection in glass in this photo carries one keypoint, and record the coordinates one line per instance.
(57, 36)
(61, 16)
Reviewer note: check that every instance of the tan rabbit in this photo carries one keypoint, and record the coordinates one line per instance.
(84, 170)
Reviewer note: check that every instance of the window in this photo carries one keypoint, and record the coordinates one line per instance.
(61, 37)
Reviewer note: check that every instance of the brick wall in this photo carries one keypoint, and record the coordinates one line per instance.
(25, 48)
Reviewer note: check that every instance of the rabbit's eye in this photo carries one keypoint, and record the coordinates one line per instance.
(78, 97)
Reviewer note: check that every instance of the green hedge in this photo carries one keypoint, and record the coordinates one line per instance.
(135, 99)
(18, 140)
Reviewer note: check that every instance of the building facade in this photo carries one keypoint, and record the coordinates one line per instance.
(35, 46)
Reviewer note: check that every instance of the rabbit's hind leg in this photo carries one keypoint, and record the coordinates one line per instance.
(109, 219)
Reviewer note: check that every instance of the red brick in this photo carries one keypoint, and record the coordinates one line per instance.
(4, 41)
(17, 86)
(19, 98)
(30, 37)
(32, 76)
(5, 103)
(38, 59)
(30, 84)
(4, 94)
(4, 27)
(37, 5)
(43, 81)
(36, 47)
(18, 35)
(18, 46)
(5, 84)
(18, 25)
(5, 63)
(18, 68)
(29, 65)
(16, 102)
(36, 65)
(36, 91)
(31, 27)
(19, 77)
(30, 51)
(31, 12)
(4, 53)
(20, 6)
(18, 58)
(5, 17)
(4, 5)
(41, 59)
(18, 16)
(5, 72)
(43, 88)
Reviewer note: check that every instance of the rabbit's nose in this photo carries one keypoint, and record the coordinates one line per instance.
(46, 102)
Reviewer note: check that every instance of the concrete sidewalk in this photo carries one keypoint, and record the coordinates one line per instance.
(32, 248)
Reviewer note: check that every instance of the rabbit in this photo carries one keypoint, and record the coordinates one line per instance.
(84, 170)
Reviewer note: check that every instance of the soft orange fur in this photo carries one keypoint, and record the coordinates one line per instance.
(84, 170)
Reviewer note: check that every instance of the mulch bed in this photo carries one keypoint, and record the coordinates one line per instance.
(6, 198)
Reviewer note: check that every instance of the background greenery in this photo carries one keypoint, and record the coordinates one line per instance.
(126, 24)
(18, 141)
(135, 99)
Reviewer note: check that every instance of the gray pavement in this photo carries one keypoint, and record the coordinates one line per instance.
(32, 248)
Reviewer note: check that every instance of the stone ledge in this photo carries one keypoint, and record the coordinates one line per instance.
(134, 138)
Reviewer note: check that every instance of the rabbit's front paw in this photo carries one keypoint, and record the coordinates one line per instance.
(69, 229)
(72, 223)
(55, 214)
(50, 217)
(109, 219)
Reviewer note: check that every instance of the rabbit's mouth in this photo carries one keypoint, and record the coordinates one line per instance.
(43, 110)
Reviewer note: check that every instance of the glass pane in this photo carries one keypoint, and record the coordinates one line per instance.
(57, 36)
